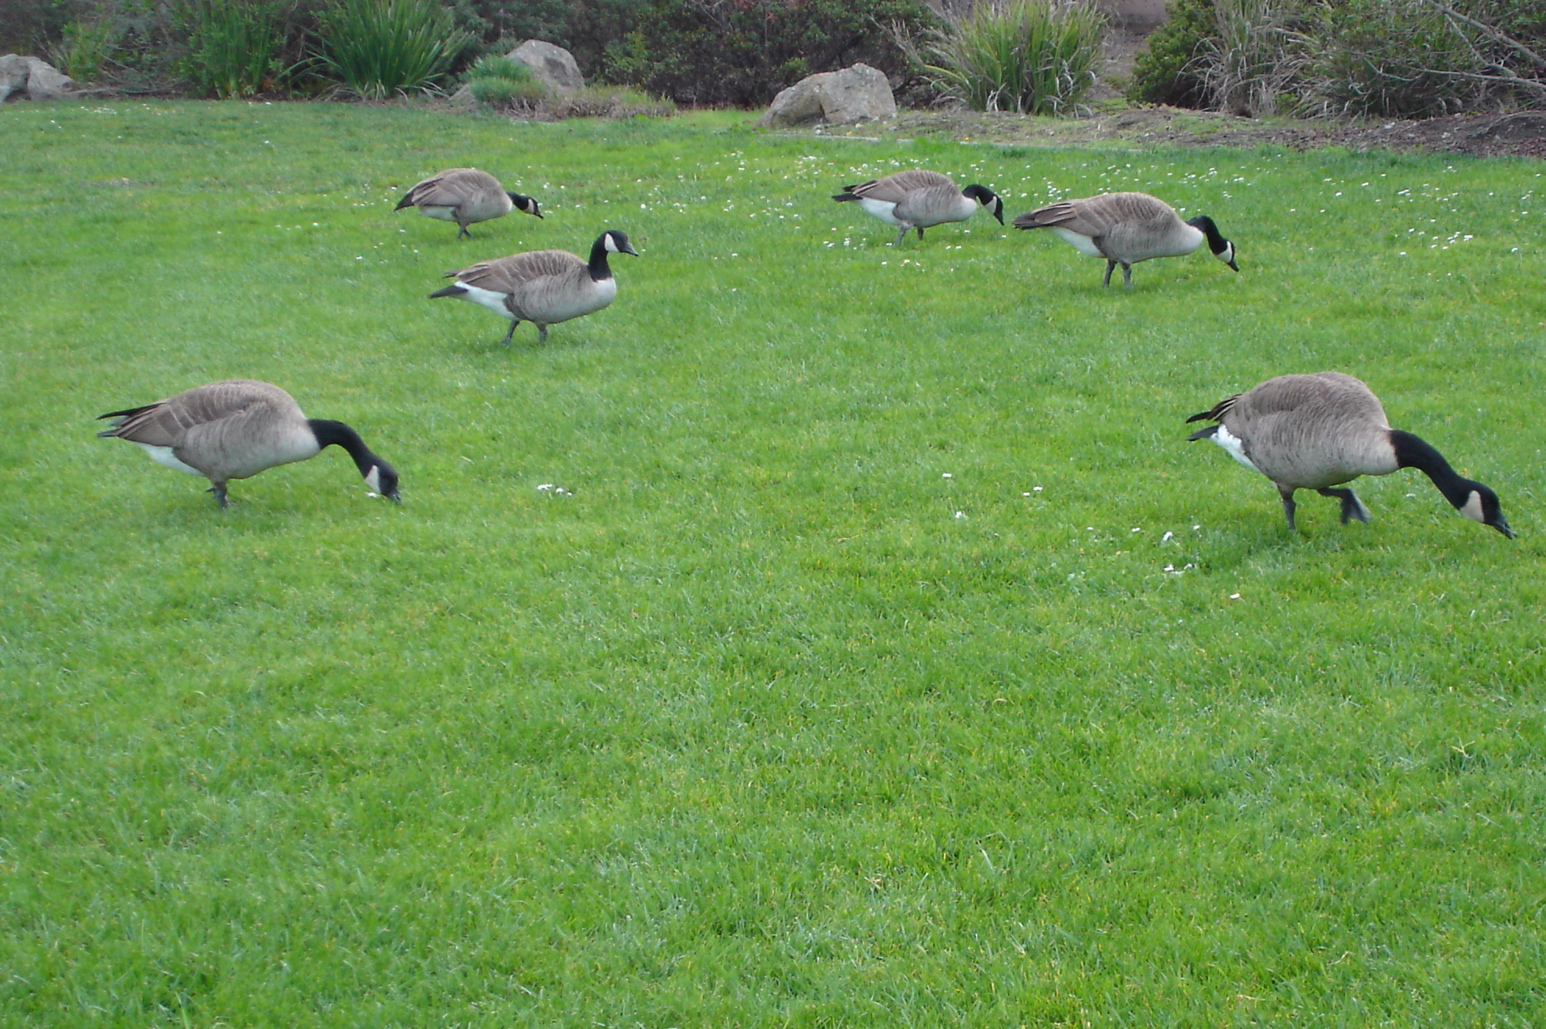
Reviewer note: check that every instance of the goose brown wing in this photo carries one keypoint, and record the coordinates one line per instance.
(894, 187)
(450, 187)
(507, 274)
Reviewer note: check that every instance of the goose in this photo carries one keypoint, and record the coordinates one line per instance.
(465, 196)
(542, 286)
(238, 428)
(917, 199)
(1126, 228)
(1318, 431)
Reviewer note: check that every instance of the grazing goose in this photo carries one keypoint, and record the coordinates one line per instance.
(919, 199)
(238, 428)
(1316, 431)
(1126, 228)
(542, 286)
(465, 196)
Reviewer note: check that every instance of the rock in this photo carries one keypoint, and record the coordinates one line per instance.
(13, 75)
(33, 78)
(553, 66)
(855, 94)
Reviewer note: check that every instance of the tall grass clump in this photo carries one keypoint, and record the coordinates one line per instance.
(380, 48)
(234, 45)
(1026, 56)
(1255, 57)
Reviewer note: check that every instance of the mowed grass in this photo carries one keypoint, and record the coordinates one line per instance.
(826, 634)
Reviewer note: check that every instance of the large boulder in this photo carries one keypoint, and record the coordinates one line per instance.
(32, 78)
(553, 66)
(855, 94)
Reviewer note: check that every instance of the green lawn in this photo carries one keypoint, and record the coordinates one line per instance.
(828, 633)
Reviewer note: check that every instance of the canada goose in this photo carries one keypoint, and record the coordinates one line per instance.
(465, 196)
(238, 428)
(1126, 228)
(542, 286)
(918, 199)
(1315, 431)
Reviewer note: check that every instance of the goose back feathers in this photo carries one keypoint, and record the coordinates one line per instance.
(465, 196)
(238, 428)
(918, 199)
(1319, 431)
(1126, 228)
(542, 286)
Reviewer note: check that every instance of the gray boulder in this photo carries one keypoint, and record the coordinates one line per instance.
(553, 66)
(855, 94)
(32, 78)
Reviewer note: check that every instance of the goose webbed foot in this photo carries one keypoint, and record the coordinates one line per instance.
(1352, 507)
(218, 489)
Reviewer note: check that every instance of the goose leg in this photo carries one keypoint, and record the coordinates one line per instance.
(218, 489)
(901, 235)
(462, 230)
(1287, 493)
(1110, 266)
(510, 334)
(1352, 507)
(542, 333)
(920, 232)
(1127, 275)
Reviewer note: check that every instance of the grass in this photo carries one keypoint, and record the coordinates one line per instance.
(826, 634)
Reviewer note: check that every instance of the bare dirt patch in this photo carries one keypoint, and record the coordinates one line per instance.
(1520, 134)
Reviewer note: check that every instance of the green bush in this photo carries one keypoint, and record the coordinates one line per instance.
(234, 45)
(85, 48)
(501, 82)
(1167, 70)
(712, 52)
(1028, 56)
(1405, 58)
(379, 48)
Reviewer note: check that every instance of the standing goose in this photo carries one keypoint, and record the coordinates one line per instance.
(465, 196)
(542, 286)
(1126, 228)
(238, 428)
(920, 199)
(1317, 431)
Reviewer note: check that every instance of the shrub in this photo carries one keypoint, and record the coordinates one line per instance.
(742, 52)
(234, 45)
(1167, 70)
(1029, 56)
(379, 48)
(1411, 58)
(85, 48)
(1367, 57)
(501, 82)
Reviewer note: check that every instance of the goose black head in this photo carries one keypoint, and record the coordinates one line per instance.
(525, 203)
(382, 479)
(987, 198)
(1481, 505)
(616, 242)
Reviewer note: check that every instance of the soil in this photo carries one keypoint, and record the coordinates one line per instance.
(1520, 134)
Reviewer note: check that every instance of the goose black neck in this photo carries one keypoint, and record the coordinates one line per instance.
(599, 269)
(1216, 240)
(331, 434)
(1413, 452)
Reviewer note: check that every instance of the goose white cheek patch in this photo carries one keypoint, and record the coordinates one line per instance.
(373, 478)
(1472, 508)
